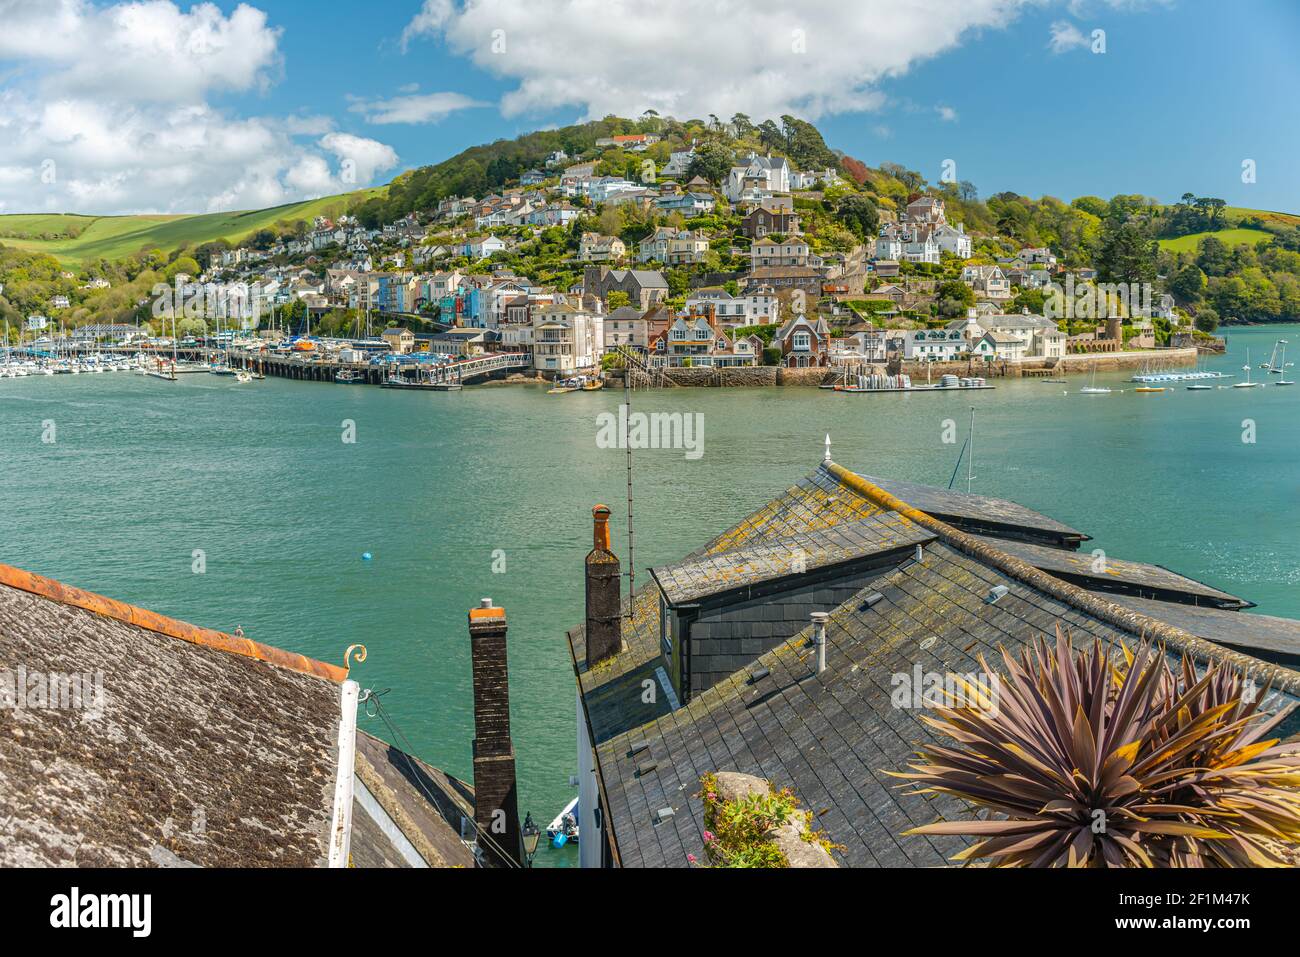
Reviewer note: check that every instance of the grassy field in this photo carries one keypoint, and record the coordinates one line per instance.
(82, 239)
(1230, 237)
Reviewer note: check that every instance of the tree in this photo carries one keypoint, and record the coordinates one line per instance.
(1127, 252)
(859, 215)
(1213, 256)
(1207, 320)
(957, 290)
(1188, 284)
(617, 299)
(712, 161)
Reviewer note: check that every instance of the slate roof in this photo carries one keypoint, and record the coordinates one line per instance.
(1264, 636)
(979, 514)
(832, 737)
(704, 575)
(427, 805)
(1118, 575)
(190, 747)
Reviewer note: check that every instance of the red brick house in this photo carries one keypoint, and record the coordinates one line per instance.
(804, 343)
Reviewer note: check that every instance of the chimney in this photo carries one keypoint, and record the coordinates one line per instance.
(604, 594)
(496, 804)
(819, 638)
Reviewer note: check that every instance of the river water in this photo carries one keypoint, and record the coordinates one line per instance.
(488, 492)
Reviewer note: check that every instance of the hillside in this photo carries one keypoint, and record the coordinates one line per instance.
(1218, 262)
(1229, 237)
(77, 240)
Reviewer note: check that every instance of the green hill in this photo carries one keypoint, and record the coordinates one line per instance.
(1229, 237)
(76, 240)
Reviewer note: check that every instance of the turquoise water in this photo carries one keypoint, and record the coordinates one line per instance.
(440, 487)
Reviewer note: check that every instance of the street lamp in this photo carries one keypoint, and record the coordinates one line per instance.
(532, 835)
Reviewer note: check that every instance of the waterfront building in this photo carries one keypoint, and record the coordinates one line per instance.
(804, 342)
(626, 326)
(400, 339)
(729, 637)
(934, 345)
(567, 339)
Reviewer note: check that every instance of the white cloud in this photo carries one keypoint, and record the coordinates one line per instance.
(946, 113)
(1066, 37)
(413, 108)
(108, 111)
(760, 57)
(433, 14)
(145, 50)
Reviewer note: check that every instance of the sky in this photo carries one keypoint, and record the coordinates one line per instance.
(157, 106)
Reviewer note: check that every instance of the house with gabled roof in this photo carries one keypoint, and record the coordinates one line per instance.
(644, 287)
(133, 739)
(595, 248)
(804, 342)
(775, 649)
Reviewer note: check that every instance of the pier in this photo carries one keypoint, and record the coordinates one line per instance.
(311, 369)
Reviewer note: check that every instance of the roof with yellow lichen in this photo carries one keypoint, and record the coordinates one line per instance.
(992, 575)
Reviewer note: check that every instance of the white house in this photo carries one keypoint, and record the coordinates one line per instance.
(934, 345)
(567, 339)
(759, 176)
(953, 239)
(756, 307)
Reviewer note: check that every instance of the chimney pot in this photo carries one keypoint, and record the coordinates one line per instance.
(819, 619)
(496, 804)
(604, 581)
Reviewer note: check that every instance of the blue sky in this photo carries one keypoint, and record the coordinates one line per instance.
(172, 107)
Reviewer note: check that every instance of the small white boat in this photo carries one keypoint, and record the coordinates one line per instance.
(565, 826)
(1281, 369)
(1248, 384)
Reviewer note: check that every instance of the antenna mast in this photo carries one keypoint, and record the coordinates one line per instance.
(627, 406)
(970, 459)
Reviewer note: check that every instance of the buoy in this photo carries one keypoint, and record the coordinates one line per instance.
(366, 556)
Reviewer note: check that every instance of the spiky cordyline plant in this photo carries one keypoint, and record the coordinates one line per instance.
(1178, 767)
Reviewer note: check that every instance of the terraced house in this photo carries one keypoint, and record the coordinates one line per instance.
(777, 650)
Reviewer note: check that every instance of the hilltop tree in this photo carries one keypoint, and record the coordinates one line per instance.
(859, 215)
(712, 161)
(1127, 253)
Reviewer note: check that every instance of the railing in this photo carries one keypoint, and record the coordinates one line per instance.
(482, 365)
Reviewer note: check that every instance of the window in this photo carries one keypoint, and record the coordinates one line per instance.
(802, 340)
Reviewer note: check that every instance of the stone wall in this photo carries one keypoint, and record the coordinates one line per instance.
(729, 378)
(804, 377)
